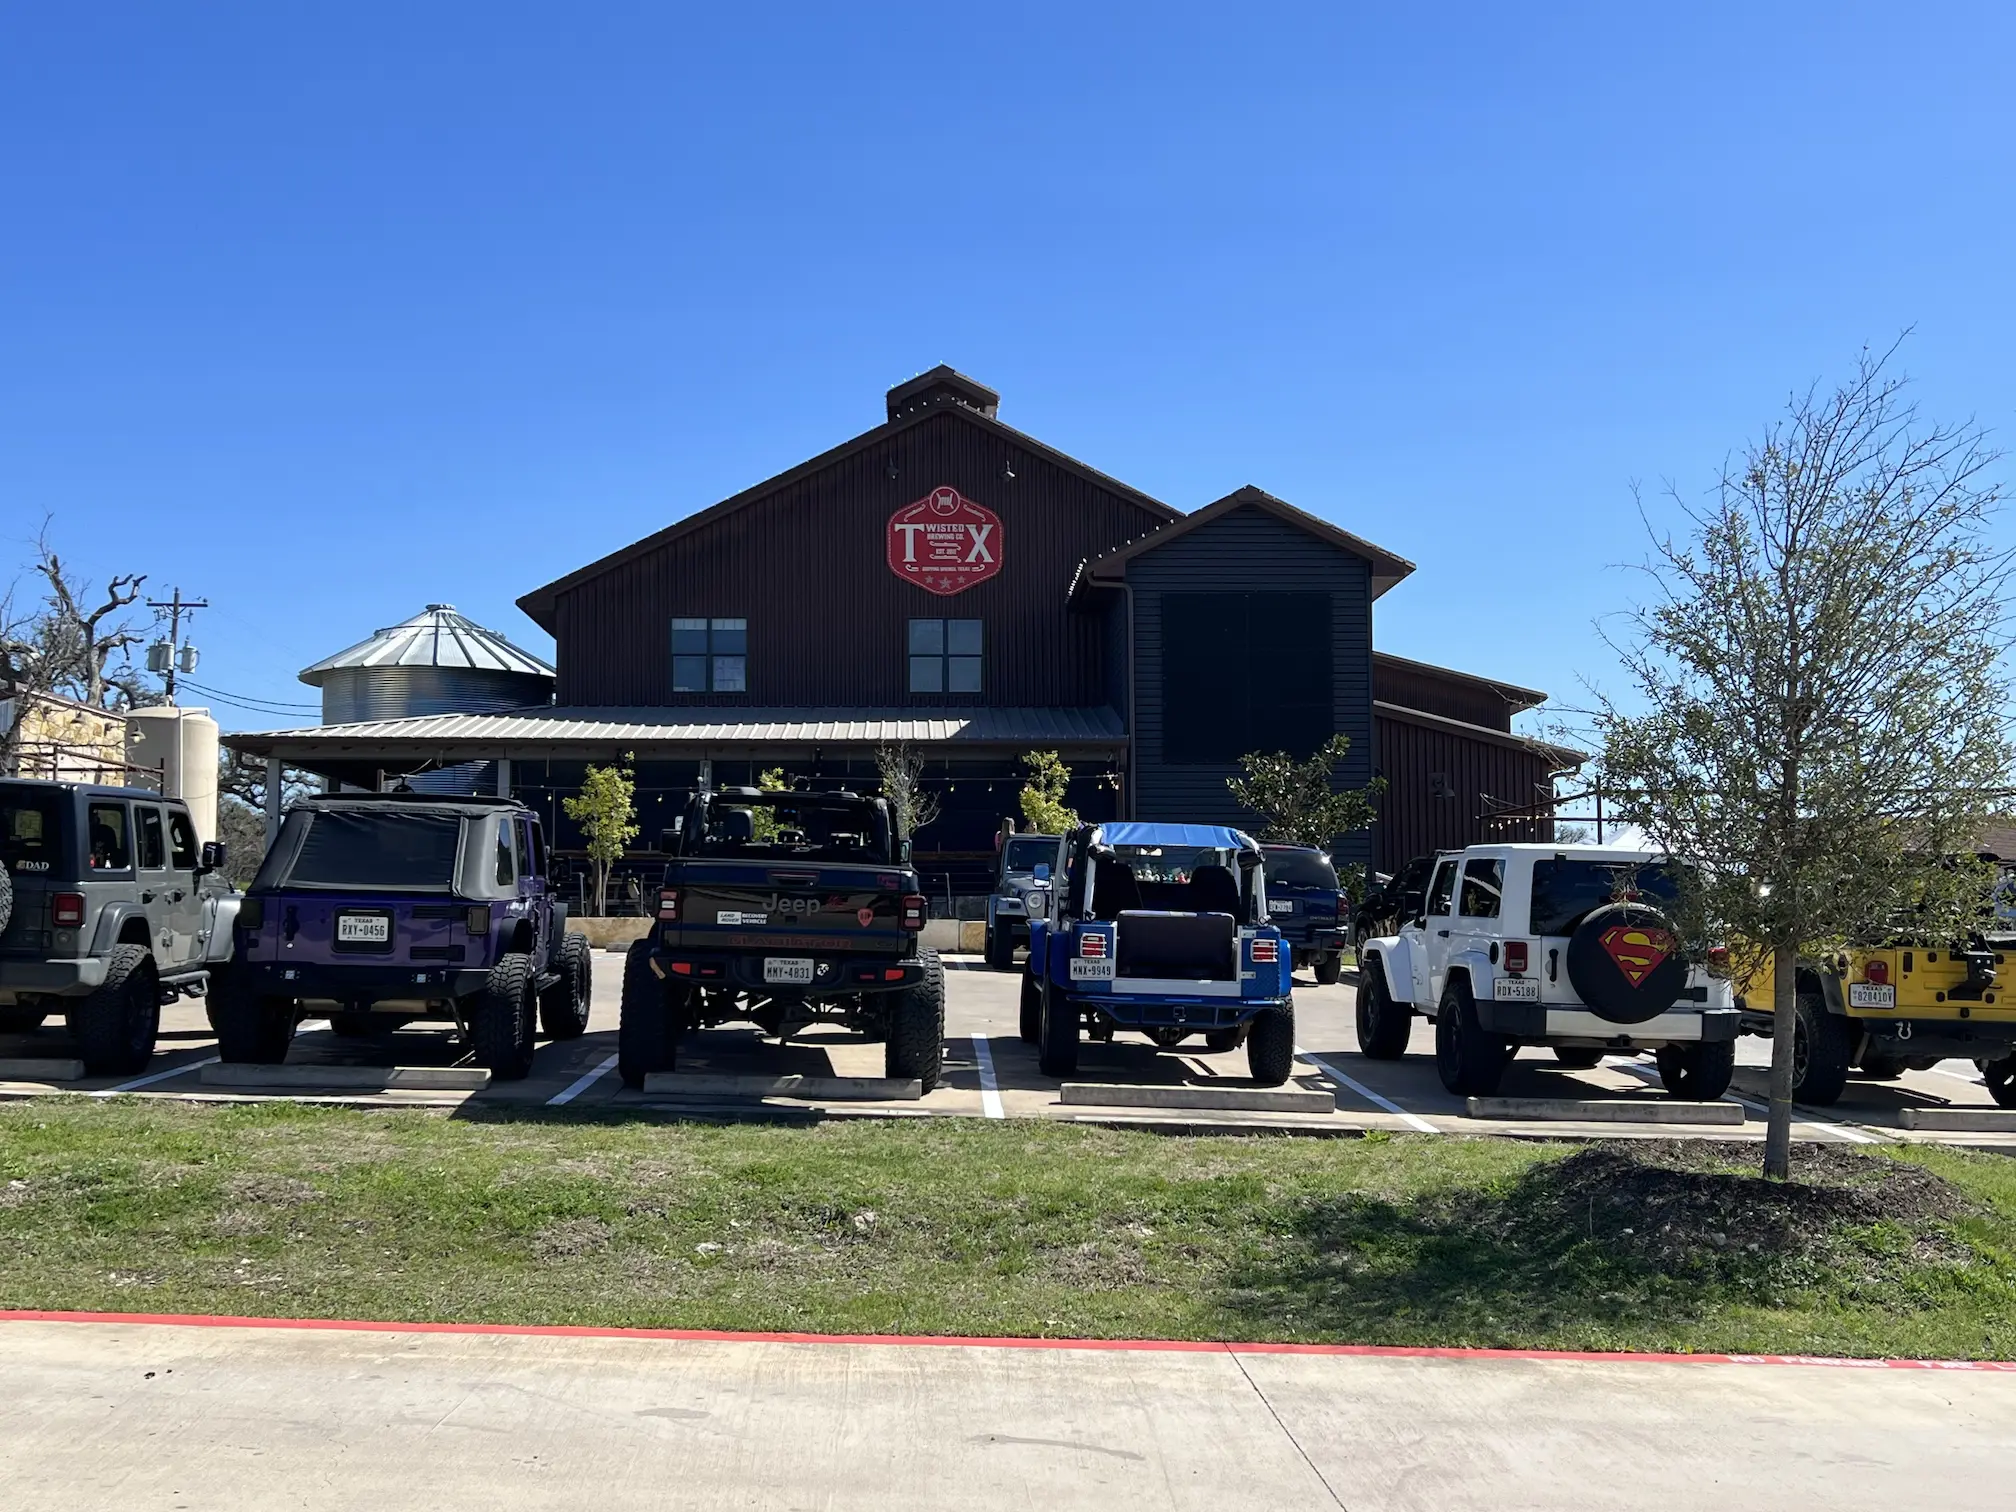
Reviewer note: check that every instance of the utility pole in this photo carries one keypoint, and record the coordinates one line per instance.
(177, 606)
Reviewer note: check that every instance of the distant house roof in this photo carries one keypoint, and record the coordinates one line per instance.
(940, 391)
(550, 731)
(1512, 693)
(1563, 758)
(1387, 569)
(435, 637)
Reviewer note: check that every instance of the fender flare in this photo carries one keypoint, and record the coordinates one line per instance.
(112, 921)
(223, 930)
(1377, 953)
(1475, 965)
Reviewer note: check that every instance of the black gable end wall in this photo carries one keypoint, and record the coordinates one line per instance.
(1247, 550)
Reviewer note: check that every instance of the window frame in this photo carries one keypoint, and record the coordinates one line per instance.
(148, 826)
(713, 659)
(1494, 885)
(1429, 909)
(181, 829)
(125, 834)
(946, 657)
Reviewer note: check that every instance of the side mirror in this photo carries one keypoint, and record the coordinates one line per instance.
(215, 854)
(1042, 871)
(1248, 860)
(1102, 852)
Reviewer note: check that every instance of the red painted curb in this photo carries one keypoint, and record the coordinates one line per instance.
(912, 1341)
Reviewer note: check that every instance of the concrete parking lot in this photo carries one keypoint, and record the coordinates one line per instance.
(991, 1073)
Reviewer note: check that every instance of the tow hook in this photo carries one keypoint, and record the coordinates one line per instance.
(1903, 1031)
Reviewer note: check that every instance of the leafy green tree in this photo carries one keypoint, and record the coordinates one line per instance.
(1299, 800)
(1819, 711)
(1042, 795)
(606, 811)
(761, 815)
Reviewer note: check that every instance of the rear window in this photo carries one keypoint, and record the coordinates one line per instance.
(1298, 868)
(797, 829)
(356, 849)
(1023, 854)
(1565, 890)
(31, 831)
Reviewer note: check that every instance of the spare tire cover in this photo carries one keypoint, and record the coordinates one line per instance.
(1625, 964)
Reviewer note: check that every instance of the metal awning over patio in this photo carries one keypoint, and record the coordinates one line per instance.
(561, 734)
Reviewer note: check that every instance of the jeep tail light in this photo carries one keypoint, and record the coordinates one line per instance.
(66, 910)
(668, 904)
(1877, 973)
(911, 911)
(1515, 956)
(1718, 960)
(478, 920)
(1266, 950)
(1092, 945)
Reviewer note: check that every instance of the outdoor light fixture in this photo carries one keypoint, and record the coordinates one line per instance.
(891, 469)
(1008, 470)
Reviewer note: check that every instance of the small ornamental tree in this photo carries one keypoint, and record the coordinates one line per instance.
(1042, 796)
(1819, 723)
(902, 772)
(762, 816)
(1297, 799)
(607, 814)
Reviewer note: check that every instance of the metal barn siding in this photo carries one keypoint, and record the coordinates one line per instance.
(351, 695)
(1442, 785)
(1247, 550)
(828, 620)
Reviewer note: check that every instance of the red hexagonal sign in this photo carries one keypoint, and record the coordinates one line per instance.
(945, 543)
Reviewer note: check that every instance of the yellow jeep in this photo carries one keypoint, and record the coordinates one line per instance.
(1882, 1011)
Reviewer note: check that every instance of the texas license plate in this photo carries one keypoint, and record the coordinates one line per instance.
(1280, 905)
(363, 929)
(1095, 970)
(1516, 989)
(1869, 995)
(792, 970)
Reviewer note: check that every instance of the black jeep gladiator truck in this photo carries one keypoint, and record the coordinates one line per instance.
(785, 909)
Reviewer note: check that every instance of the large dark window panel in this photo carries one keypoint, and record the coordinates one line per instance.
(1244, 672)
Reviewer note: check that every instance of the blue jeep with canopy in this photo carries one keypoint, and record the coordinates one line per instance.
(1162, 929)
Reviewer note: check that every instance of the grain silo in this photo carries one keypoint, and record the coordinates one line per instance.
(438, 662)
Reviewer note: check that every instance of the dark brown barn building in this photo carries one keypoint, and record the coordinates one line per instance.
(946, 581)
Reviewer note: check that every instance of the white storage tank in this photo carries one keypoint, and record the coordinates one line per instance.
(180, 744)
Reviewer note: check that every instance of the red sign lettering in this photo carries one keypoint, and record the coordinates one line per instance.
(945, 543)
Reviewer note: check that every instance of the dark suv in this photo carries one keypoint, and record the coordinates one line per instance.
(1305, 903)
(116, 908)
(785, 909)
(377, 909)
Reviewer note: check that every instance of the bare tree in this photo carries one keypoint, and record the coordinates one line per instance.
(76, 640)
(902, 772)
(1821, 712)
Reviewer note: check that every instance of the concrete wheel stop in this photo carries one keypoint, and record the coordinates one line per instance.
(1609, 1110)
(1230, 1099)
(1960, 1120)
(716, 1087)
(28, 1068)
(350, 1078)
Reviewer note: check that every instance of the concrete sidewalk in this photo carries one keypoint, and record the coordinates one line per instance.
(145, 1417)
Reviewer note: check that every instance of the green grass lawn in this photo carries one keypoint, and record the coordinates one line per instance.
(971, 1227)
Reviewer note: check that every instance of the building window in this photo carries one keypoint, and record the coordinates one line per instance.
(710, 656)
(1245, 672)
(944, 656)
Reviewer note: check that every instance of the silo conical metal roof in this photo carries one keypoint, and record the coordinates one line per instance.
(435, 637)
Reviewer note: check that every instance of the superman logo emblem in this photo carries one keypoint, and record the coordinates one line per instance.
(1636, 950)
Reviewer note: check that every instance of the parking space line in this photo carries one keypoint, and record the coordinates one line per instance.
(1852, 1135)
(581, 1083)
(157, 1076)
(1413, 1120)
(990, 1089)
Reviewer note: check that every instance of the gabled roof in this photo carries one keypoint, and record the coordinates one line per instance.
(1387, 569)
(435, 637)
(1562, 758)
(938, 392)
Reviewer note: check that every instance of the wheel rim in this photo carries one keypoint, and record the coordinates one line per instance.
(1802, 1052)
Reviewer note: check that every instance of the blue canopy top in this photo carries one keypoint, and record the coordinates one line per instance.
(1135, 832)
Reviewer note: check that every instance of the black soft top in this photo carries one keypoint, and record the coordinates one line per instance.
(438, 803)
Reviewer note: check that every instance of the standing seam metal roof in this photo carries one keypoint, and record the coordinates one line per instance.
(435, 637)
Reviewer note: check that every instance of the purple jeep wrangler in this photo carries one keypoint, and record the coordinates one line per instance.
(377, 909)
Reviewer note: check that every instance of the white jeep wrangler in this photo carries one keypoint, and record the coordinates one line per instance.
(1561, 945)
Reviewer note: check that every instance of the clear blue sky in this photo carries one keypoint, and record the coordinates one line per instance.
(329, 311)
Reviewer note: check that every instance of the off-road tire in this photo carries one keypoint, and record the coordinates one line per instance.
(1223, 1041)
(1882, 1067)
(2000, 1075)
(501, 1018)
(647, 1028)
(6, 900)
(1330, 967)
(1000, 950)
(1031, 1010)
(21, 1020)
(563, 1007)
(115, 1027)
(1384, 1026)
(1169, 1038)
(251, 1030)
(1057, 1043)
(1821, 1046)
(1698, 1072)
(1470, 1060)
(916, 1043)
(1270, 1045)
(355, 1025)
(1578, 1057)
